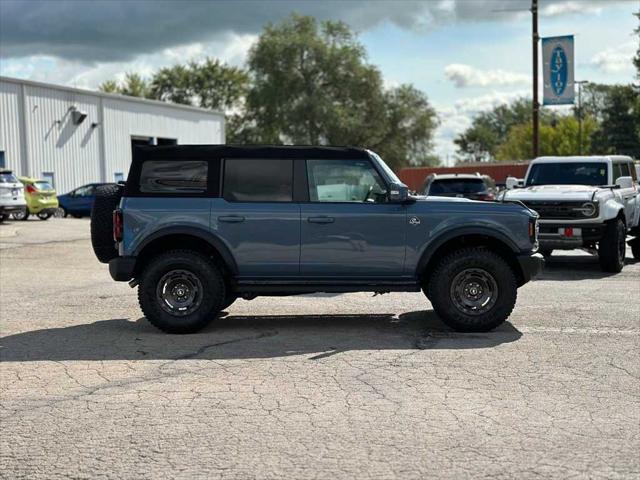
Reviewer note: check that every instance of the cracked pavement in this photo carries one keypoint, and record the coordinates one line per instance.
(322, 386)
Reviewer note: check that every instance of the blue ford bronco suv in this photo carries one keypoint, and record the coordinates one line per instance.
(196, 227)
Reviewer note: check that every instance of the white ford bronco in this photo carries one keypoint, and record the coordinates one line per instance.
(583, 202)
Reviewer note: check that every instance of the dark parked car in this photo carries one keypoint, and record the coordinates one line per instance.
(78, 202)
(462, 185)
(196, 227)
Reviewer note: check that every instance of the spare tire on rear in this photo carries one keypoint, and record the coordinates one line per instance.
(106, 201)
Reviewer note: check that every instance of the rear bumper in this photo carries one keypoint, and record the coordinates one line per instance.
(531, 265)
(121, 268)
(7, 209)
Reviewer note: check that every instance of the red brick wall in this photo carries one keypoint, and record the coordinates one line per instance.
(414, 177)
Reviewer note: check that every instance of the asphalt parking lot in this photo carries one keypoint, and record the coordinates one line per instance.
(348, 386)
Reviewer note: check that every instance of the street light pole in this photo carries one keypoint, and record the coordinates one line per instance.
(536, 105)
(579, 111)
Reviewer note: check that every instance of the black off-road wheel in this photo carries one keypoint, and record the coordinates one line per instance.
(44, 215)
(229, 299)
(106, 201)
(612, 248)
(473, 290)
(181, 291)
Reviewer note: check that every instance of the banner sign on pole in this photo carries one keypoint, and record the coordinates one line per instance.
(557, 70)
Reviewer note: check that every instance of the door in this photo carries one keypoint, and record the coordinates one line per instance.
(257, 217)
(80, 200)
(348, 228)
(627, 195)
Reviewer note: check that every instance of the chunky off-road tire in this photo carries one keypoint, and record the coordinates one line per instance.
(44, 215)
(635, 247)
(473, 289)
(106, 201)
(181, 291)
(229, 298)
(612, 248)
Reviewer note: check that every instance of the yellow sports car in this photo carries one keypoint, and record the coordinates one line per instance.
(41, 199)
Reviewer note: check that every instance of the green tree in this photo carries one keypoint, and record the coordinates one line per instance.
(209, 84)
(488, 130)
(109, 86)
(559, 137)
(619, 114)
(410, 121)
(133, 85)
(311, 84)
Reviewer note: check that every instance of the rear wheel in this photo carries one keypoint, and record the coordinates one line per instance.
(473, 290)
(181, 291)
(612, 248)
(21, 214)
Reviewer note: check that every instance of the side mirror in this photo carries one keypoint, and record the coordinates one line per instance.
(624, 182)
(513, 182)
(398, 193)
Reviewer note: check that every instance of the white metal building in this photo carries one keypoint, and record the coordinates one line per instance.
(72, 137)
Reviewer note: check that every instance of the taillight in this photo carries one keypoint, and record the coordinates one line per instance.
(117, 225)
(31, 189)
(533, 230)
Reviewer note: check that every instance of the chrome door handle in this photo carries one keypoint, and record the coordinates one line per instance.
(320, 219)
(231, 219)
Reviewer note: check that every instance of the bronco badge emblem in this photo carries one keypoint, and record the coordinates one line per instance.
(414, 221)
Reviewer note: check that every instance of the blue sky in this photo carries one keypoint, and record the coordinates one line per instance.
(464, 54)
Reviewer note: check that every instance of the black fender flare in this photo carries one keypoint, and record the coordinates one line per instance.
(448, 235)
(209, 237)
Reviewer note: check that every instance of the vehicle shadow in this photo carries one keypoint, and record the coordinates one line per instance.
(575, 267)
(246, 337)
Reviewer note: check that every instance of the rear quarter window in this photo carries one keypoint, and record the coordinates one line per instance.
(170, 176)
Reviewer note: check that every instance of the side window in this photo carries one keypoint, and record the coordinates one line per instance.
(344, 181)
(615, 171)
(170, 176)
(258, 180)
(82, 191)
(632, 171)
(624, 170)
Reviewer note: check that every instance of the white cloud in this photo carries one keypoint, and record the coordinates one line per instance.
(232, 49)
(457, 118)
(564, 8)
(464, 76)
(616, 59)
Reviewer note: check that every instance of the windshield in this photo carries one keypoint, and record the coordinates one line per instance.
(8, 178)
(440, 187)
(388, 172)
(571, 173)
(43, 185)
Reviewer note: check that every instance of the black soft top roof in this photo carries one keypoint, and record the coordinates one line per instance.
(212, 152)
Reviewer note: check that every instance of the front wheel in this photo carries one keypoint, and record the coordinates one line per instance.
(612, 249)
(473, 290)
(44, 215)
(181, 291)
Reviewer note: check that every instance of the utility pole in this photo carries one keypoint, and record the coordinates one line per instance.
(579, 110)
(536, 105)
